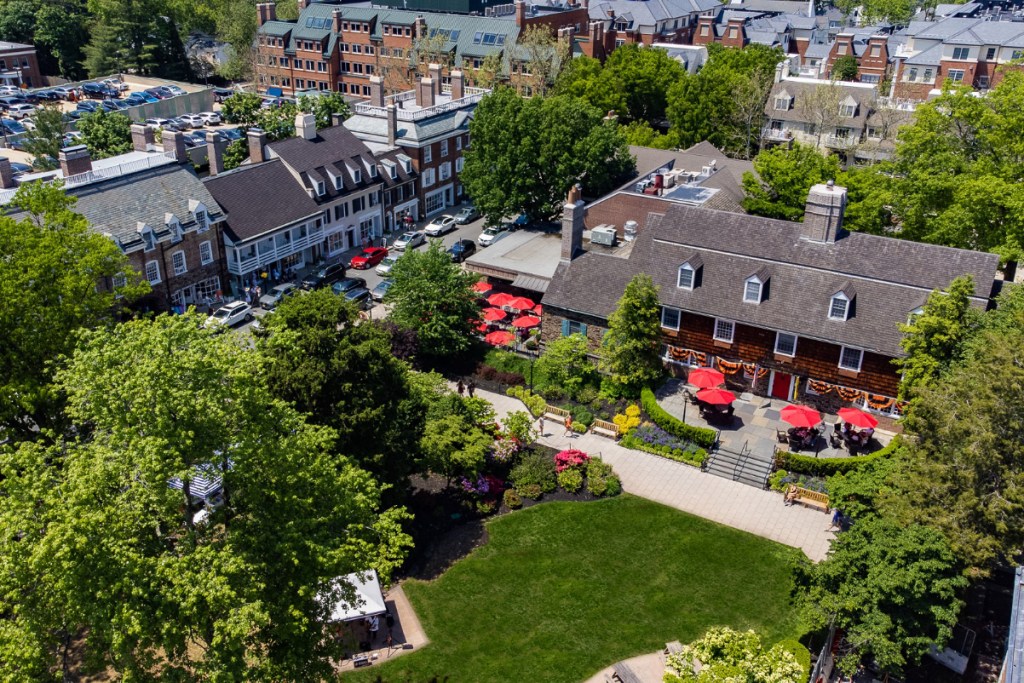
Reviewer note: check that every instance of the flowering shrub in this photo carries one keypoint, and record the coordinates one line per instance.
(534, 474)
(571, 480)
(505, 449)
(571, 459)
(653, 439)
(727, 655)
(629, 420)
(484, 485)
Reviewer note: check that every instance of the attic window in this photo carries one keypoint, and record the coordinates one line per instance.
(175, 227)
(373, 170)
(783, 102)
(689, 274)
(357, 175)
(839, 308)
(337, 183)
(752, 290)
(847, 109)
(201, 222)
(320, 188)
(147, 238)
(394, 171)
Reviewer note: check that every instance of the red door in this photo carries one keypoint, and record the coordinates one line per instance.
(780, 386)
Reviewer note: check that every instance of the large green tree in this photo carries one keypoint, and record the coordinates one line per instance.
(567, 364)
(526, 154)
(50, 266)
(44, 142)
(629, 352)
(344, 376)
(242, 108)
(98, 550)
(784, 176)
(106, 134)
(433, 297)
(454, 446)
(893, 589)
(145, 33)
(325, 106)
(57, 29)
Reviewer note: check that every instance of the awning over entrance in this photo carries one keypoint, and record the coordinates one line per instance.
(532, 283)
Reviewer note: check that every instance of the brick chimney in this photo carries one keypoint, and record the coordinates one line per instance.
(75, 160)
(336, 17)
(458, 85)
(305, 126)
(823, 216)
(572, 224)
(392, 124)
(257, 145)
(420, 28)
(520, 13)
(435, 76)
(6, 174)
(142, 138)
(266, 11)
(377, 91)
(174, 142)
(215, 146)
(425, 92)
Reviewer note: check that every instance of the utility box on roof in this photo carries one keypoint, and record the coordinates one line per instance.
(604, 235)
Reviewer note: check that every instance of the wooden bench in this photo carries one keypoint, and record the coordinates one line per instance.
(673, 648)
(623, 673)
(812, 499)
(555, 414)
(604, 428)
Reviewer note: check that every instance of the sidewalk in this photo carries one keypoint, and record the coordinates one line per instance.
(688, 489)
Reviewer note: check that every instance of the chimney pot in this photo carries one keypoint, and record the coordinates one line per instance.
(572, 224)
(376, 91)
(305, 126)
(435, 76)
(458, 85)
(425, 93)
(142, 138)
(392, 124)
(257, 145)
(174, 142)
(215, 146)
(823, 216)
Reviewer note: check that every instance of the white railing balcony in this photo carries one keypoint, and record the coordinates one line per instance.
(839, 141)
(265, 257)
(416, 113)
(777, 135)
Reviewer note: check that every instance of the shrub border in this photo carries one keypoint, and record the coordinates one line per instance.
(701, 436)
(693, 458)
(826, 467)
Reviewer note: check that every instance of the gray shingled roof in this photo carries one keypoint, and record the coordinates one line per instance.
(118, 205)
(333, 152)
(863, 95)
(891, 277)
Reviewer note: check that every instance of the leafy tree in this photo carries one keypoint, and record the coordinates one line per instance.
(278, 122)
(45, 141)
(146, 37)
(433, 296)
(630, 348)
(845, 68)
(933, 340)
(235, 153)
(586, 79)
(344, 376)
(567, 364)
(750, 93)
(18, 20)
(891, 588)
(862, 493)
(784, 176)
(520, 426)
(454, 446)
(242, 108)
(538, 50)
(114, 558)
(50, 264)
(526, 154)
(489, 73)
(105, 53)
(325, 106)
(106, 134)
(723, 654)
(61, 35)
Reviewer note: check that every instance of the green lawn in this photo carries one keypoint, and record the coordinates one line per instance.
(562, 590)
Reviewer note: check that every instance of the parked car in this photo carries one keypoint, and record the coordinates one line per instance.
(18, 168)
(64, 91)
(73, 115)
(47, 95)
(175, 90)
(491, 235)
(115, 84)
(381, 289)
(440, 226)
(462, 250)
(193, 120)
(99, 91)
(160, 92)
(20, 111)
(211, 118)
(28, 124)
(11, 127)
(272, 298)
(166, 124)
(325, 276)
(9, 90)
(221, 94)
(410, 240)
(194, 139)
(233, 133)
(369, 257)
(148, 98)
(88, 107)
(181, 123)
(467, 214)
(11, 100)
(109, 105)
(230, 314)
(360, 296)
(135, 100)
(348, 284)
(384, 267)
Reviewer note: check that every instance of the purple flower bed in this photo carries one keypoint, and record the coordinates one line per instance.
(653, 435)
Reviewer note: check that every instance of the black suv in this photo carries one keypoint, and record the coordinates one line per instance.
(462, 250)
(324, 277)
(99, 91)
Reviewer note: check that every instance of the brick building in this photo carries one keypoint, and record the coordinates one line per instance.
(19, 66)
(792, 310)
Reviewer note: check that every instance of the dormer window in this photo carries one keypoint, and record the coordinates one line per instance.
(373, 170)
(320, 188)
(357, 175)
(394, 172)
(754, 287)
(689, 274)
(848, 108)
(174, 226)
(783, 101)
(839, 308)
(198, 210)
(148, 238)
(913, 314)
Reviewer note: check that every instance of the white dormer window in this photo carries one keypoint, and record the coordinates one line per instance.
(393, 171)
(320, 188)
(913, 315)
(148, 238)
(839, 308)
(783, 101)
(752, 290)
(686, 277)
(338, 184)
(174, 227)
(357, 175)
(373, 170)
(848, 108)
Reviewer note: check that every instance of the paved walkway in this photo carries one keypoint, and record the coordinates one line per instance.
(407, 634)
(688, 489)
(649, 668)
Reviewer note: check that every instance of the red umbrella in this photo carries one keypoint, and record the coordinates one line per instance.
(521, 303)
(499, 299)
(526, 321)
(538, 309)
(481, 287)
(718, 397)
(705, 378)
(482, 327)
(500, 337)
(493, 314)
(801, 416)
(858, 418)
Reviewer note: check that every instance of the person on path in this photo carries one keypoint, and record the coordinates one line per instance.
(471, 388)
(568, 426)
(837, 520)
(540, 424)
(460, 387)
(374, 623)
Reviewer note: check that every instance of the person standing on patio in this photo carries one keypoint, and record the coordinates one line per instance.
(460, 387)
(471, 388)
(568, 426)
(540, 425)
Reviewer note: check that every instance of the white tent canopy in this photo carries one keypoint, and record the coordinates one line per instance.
(368, 597)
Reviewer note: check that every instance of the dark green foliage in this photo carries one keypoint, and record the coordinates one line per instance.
(845, 68)
(512, 500)
(534, 469)
(784, 176)
(45, 142)
(629, 352)
(691, 456)
(705, 438)
(827, 467)
(106, 134)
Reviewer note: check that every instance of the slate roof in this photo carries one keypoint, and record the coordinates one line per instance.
(118, 205)
(891, 277)
(260, 198)
(648, 13)
(374, 129)
(333, 153)
(801, 88)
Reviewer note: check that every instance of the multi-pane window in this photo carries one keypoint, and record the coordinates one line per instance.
(153, 272)
(670, 318)
(178, 261)
(839, 308)
(961, 52)
(427, 156)
(785, 344)
(205, 252)
(850, 359)
(752, 291)
(955, 75)
(686, 274)
(724, 330)
(201, 220)
(444, 148)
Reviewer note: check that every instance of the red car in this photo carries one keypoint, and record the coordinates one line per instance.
(369, 258)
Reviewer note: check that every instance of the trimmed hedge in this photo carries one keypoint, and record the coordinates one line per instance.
(801, 653)
(705, 438)
(695, 458)
(826, 467)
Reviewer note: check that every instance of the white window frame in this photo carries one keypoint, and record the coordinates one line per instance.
(202, 220)
(320, 188)
(778, 338)
(693, 277)
(746, 290)
(839, 296)
(179, 263)
(678, 316)
(860, 358)
(205, 252)
(960, 73)
(153, 276)
(428, 177)
(428, 154)
(444, 148)
(720, 322)
(460, 163)
(848, 110)
(784, 102)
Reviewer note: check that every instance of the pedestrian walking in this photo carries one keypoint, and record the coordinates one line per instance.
(540, 424)
(460, 387)
(837, 520)
(568, 426)
(259, 292)
(471, 388)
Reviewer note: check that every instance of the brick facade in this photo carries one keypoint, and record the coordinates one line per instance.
(21, 62)
(182, 289)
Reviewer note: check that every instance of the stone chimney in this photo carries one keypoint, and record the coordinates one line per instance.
(336, 17)
(266, 11)
(215, 146)
(75, 160)
(780, 71)
(142, 138)
(823, 217)
(435, 76)
(420, 28)
(572, 225)
(257, 145)
(173, 141)
(376, 91)
(458, 85)
(392, 124)
(6, 174)
(305, 126)
(520, 13)
(425, 92)
(337, 119)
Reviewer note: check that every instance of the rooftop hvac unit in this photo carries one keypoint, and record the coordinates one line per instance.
(629, 231)
(604, 235)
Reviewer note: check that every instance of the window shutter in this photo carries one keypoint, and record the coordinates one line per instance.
(583, 329)
(565, 328)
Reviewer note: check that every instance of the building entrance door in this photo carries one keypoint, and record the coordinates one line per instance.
(781, 383)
